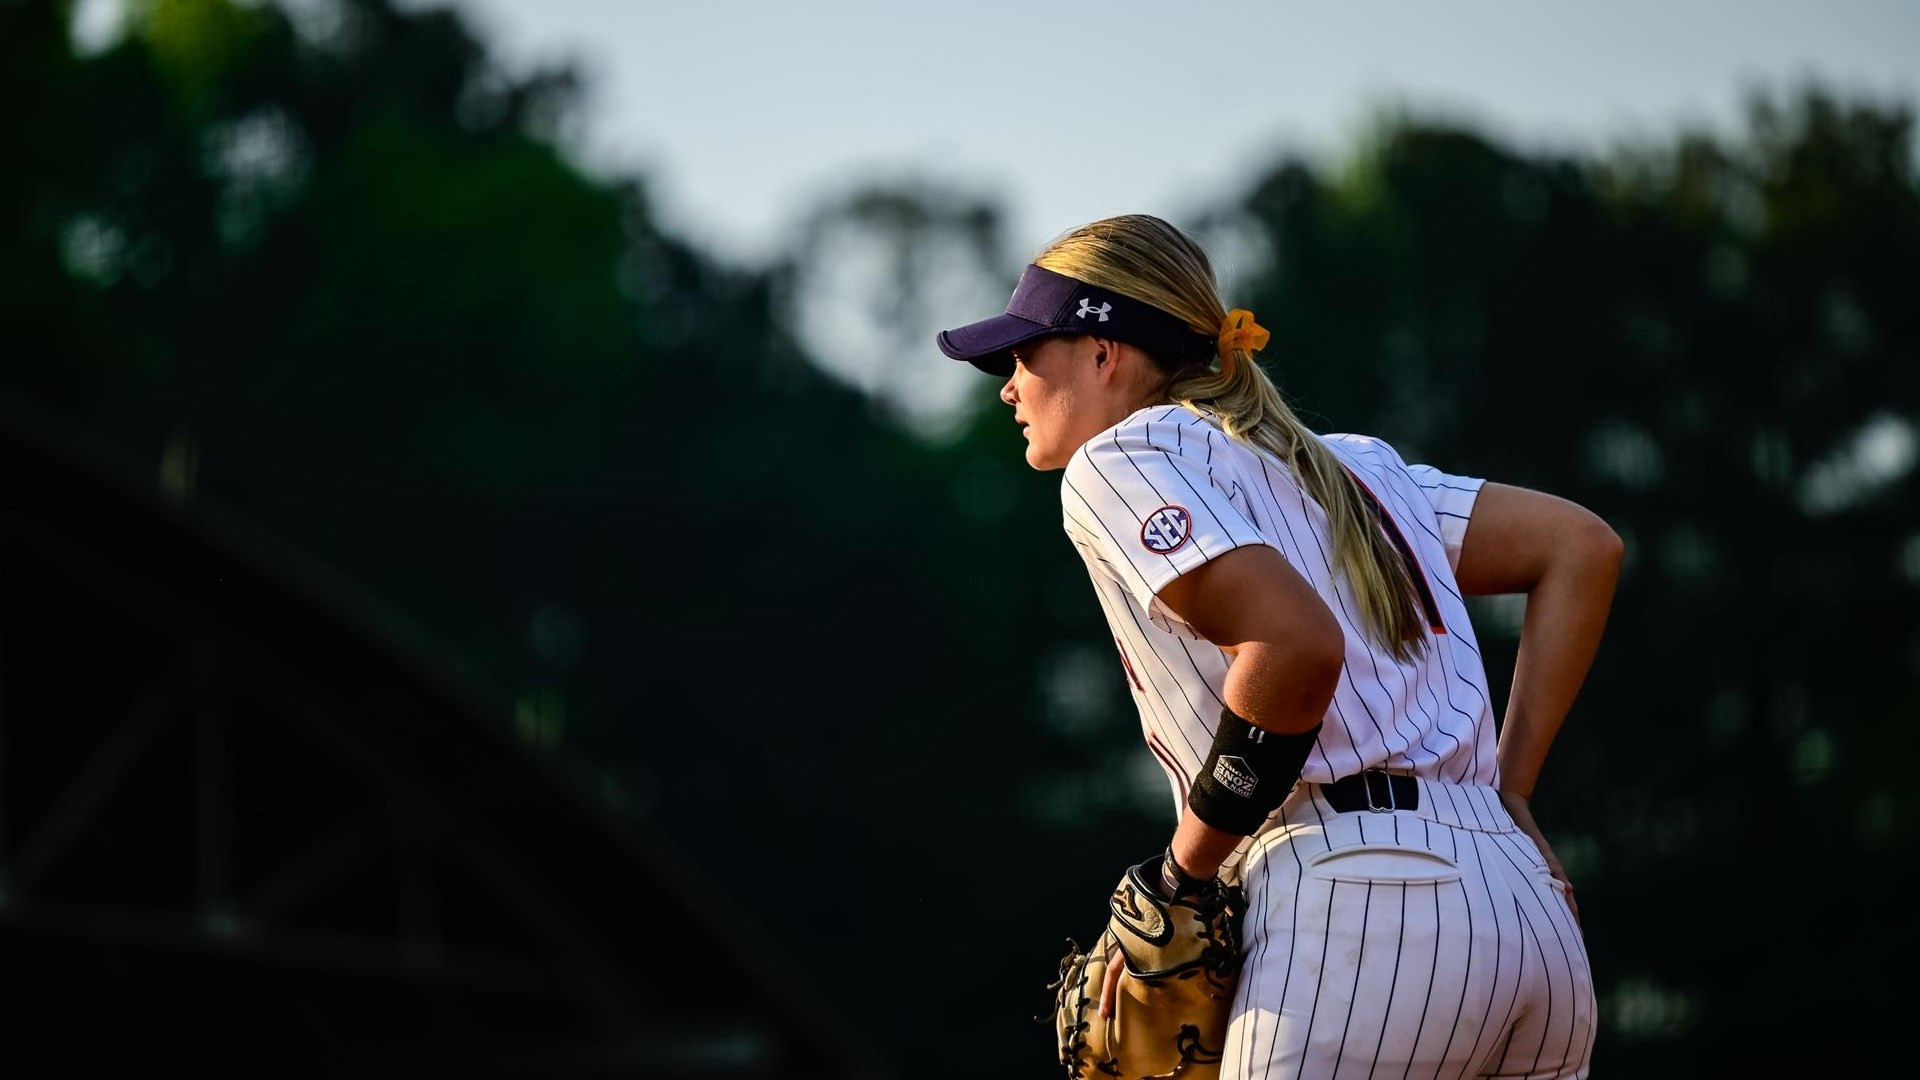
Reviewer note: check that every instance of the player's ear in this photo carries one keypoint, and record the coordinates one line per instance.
(1106, 356)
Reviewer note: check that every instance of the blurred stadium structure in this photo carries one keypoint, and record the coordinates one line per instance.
(248, 823)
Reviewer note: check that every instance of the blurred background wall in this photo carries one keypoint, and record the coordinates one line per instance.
(684, 520)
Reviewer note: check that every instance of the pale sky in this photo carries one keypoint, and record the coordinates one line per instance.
(742, 113)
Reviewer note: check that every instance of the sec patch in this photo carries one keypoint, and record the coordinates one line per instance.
(1166, 530)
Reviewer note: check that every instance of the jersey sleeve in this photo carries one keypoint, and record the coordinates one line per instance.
(1452, 498)
(1144, 511)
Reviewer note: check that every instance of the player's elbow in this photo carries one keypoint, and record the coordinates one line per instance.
(1310, 691)
(1315, 639)
(1320, 663)
(1597, 547)
(1307, 662)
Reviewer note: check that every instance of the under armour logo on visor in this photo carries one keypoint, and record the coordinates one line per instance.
(1087, 308)
(1166, 529)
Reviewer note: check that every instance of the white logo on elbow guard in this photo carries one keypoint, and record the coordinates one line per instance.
(1234, 775)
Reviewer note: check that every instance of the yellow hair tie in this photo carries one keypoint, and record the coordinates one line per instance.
(1240, 333)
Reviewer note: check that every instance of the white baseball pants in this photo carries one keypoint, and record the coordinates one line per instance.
(1428, 943)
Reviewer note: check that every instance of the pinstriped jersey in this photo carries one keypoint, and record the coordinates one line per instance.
(1165, 490)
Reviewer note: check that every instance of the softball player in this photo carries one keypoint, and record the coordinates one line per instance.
(1289, 611)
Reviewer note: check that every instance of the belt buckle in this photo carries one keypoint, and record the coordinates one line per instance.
(1366, 784)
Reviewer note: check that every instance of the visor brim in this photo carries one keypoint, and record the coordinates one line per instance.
(988, 344)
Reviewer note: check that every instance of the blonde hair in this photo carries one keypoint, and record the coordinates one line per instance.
(1145, 258)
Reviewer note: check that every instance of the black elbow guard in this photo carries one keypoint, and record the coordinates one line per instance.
(1248, 774)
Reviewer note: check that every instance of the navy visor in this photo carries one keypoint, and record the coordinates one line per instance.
(1048, 303)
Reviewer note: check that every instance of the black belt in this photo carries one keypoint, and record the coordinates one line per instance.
(1372, 790)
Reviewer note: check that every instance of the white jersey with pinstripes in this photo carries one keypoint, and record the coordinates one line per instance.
(1165, 490)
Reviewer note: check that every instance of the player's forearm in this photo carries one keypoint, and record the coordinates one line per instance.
(1200, 848)
(1566, 616)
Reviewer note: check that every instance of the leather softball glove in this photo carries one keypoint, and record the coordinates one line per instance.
(1180, 960)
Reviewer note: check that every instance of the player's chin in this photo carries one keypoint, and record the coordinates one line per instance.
(1041, 461)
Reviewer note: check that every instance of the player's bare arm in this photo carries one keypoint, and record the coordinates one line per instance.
(1287, 646)
(1567, 561)
(1287, 653)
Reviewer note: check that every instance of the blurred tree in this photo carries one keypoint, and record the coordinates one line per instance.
(341, 276)
(870, 278)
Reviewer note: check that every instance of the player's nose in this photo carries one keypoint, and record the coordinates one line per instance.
(1007, 393)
